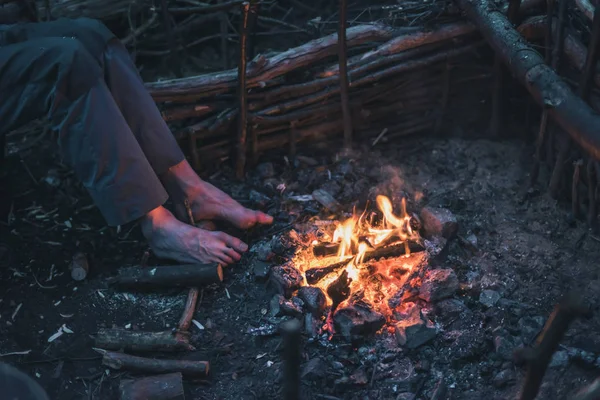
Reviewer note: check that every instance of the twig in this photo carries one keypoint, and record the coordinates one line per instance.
(140, 30)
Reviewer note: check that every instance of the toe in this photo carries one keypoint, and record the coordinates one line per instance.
(235, 256)
(235, 243)
(263, 218)
(224, 259)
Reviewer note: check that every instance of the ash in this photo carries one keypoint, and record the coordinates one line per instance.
(498, 260)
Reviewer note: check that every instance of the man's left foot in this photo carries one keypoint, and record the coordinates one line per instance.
(208, 202)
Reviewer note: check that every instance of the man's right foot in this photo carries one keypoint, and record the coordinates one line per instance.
(172, 239)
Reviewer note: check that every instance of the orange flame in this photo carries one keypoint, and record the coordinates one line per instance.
(375, 282)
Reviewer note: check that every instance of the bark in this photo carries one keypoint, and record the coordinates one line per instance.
(158, 387)
(527, 65)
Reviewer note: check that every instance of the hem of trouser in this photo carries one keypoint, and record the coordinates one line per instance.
(124, 203)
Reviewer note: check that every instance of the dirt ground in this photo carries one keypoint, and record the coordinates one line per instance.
(524, 249)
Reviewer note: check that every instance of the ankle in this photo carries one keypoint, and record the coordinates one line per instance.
(153, 219)
(180, 179)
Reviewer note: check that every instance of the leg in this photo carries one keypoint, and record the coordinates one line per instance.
(58, 77)
(145, 121)
(121, 77)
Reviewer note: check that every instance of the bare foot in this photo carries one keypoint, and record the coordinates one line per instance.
(207, 201)
(172, 239)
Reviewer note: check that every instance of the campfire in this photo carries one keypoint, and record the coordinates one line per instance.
(357, 274)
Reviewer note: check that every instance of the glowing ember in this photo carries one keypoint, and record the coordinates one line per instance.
(352, 272)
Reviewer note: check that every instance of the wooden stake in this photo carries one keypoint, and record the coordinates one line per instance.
(343, 66)
(242, 95)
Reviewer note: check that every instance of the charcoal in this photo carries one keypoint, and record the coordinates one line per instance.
(438, 284)
(280, 306)
(285, 279)
(504, 378)
(438, 222)
(282, 244)
(505, 344)
(312, 326)
(259, 199)
(313, 298)
(339, 290)
(357, 321)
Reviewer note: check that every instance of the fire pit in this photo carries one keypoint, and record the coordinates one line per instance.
(359, 273)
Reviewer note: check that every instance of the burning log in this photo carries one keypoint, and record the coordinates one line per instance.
(313, 298)
(189, 275)
(286, 279)
(339, 290)
(314, 275)
(158, 387)
(396, 250)
(547, 88)
(119, 361)
(121, 339)
(357, 320)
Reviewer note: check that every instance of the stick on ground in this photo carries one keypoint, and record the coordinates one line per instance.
(121, 361)
(158, 387)
(121, 339)
(190, 275)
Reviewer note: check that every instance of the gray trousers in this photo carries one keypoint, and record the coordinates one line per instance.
(110, 131)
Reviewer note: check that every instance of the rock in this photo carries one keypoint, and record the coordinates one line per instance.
(357, 321)
(505, 345)
(438, 284)
(530, 327)
(489, 298)
(560, 359)
(438, 222)
(504, 378)
(265, 170)
(313, 369)
(260, 269)
(414, 331)
(450, 309)
(275, 305)
(263, 251)
(313, 298)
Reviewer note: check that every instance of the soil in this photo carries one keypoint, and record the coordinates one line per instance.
(528, 250)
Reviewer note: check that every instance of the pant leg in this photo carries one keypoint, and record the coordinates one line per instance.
(59, 78)
(123, 80)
